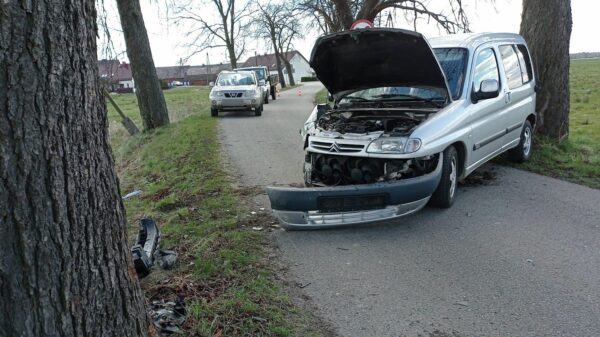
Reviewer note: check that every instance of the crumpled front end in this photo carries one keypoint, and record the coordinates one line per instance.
(332, 206)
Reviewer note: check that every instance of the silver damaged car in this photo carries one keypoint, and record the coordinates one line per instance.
(409, 118)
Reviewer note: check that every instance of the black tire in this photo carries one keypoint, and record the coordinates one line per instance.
(444, 195)
(258, 111)
(522, 152)
(274, 93)
(266, 100)
(214, 112)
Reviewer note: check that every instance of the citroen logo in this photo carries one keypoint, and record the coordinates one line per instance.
(334, 147)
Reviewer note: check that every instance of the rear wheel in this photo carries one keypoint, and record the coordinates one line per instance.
(522, 152)
(273, 93)
(445, 193)
(214, 112)
(266, 98)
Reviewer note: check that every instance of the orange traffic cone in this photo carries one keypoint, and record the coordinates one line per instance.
(299, 92)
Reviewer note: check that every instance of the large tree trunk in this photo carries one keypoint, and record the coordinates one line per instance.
(151, 100)
(546, 25)
(65, 266)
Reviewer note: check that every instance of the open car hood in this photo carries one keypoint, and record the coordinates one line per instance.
(375, 57)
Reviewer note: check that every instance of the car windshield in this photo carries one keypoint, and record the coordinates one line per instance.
(260, 72)
(425, 94)
(454, 63)
(235, 79)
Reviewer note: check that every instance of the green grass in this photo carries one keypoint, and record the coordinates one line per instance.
(321, 97)
(223, 269)
(576, 159)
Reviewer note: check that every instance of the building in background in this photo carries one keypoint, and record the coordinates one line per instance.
(116, 75)
(300, 66)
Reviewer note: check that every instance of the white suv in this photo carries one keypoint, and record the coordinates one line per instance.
(408, 120)
(236, 90)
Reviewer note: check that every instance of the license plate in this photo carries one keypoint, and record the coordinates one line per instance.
(351, 203)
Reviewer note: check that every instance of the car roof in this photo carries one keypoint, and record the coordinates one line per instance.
(240, 71)
(474, 40)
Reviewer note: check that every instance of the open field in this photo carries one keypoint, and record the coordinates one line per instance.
(230, 286)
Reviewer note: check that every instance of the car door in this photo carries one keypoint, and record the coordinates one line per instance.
(486, 120)
(519, 90)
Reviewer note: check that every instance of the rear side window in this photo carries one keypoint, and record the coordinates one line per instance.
(486, 68)
(525, 62)
(512, 69)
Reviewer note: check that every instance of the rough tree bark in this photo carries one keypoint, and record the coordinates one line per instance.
(546, 25)
(151, 100)
(65, 266)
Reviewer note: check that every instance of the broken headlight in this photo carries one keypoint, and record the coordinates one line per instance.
(394, 145)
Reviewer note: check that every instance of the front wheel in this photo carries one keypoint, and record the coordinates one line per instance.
(522, 152)
(214, 112)
(258, 111)
(445, 193)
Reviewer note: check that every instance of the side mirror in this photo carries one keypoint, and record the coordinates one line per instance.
(488, 89)
(261, 82)
(211, 84)
(329, 97)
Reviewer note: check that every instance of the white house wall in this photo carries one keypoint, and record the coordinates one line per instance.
(301, 69)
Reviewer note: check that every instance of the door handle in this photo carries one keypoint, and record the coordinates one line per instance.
(507, 97)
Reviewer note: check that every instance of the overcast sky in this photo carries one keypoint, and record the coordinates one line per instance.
(167, 41)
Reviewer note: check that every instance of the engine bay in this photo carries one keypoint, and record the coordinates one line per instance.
(395, 123)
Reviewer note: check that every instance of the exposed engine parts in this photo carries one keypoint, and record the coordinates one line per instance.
(351, 122)
(335, 170)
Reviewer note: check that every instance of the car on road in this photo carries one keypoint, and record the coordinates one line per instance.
(267, 82)
(409, 119)
(236, 90)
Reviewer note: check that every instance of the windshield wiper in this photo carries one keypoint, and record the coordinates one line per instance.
(358, 99)
(410, 97)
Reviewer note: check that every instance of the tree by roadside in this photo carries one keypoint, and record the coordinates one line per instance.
(338, 15)
(229, 30)
(279, 23)
(151, 100)
(65, 266)
(268, 26)
(290, 29)
(546, 26)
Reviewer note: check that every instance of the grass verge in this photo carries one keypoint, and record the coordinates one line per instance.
(321, 97)
(230, 285)
(576, 159)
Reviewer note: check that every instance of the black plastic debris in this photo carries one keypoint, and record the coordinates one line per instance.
(146, 247)
(168, 317)
(166, 258)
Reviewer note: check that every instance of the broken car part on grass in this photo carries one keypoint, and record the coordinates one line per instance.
(147, 249)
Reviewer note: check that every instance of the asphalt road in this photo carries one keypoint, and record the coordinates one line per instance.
(519, 257)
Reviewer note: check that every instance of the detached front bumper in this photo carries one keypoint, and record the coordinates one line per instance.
(324, 207)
